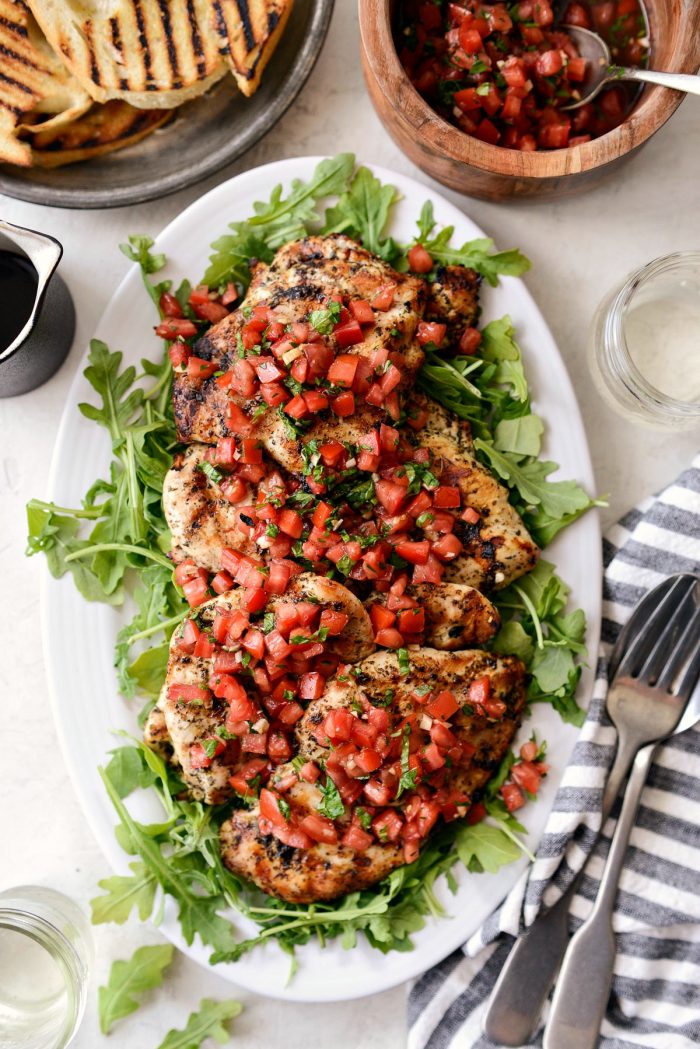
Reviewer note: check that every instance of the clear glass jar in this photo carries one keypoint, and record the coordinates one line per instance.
(644, 350)
(46, 953)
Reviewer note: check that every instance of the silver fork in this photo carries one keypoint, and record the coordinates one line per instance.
(666, 679)
(531, 967)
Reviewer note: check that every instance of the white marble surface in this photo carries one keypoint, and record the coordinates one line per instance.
(579, 248)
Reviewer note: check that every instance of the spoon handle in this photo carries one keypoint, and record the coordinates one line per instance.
(532, 965)
(583, 987)
(688, 82)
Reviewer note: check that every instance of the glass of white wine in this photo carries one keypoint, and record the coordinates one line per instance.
(645, 344)
(46, 953)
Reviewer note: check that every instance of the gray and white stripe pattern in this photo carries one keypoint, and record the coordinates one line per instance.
(656, 987)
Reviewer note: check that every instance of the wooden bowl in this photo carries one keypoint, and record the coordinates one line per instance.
(491, 172)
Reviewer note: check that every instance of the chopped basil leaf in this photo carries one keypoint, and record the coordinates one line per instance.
(404, 661)
(364, 818)
(283, 806)
(211, 472)
(408, 775)
(268, 622)
(332, 803)
(324, 321)
(272, 531)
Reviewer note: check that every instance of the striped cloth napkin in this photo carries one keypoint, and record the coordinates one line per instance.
(656, 986)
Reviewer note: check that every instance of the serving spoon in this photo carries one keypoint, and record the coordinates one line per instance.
(602, 70)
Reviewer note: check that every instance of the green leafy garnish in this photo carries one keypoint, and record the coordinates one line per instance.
(324, 321)
(331, 804)
(210, 1021)
(142, 972)
(409, 776)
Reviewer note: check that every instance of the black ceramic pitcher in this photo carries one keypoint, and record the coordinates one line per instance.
(37, 318)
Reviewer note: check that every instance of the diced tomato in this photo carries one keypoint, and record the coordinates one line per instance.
(331, 452)
(255, 599)
(316, 401)
(254, 642)
(431, 572)
(297, 408)
(447, 548)
(512, 796)
(333, 622)
(480, 690)
(199, 369)
(269, 807)
(254, 742)
(412, 621)
(390, 495)
(433, 757)
(343, 405)
(291, 523)
(278, 747)
(419, 260)
(527, 776)
(268, 371)
(576, 70)
(487, 132)
(337, 725)
(319, 828)
(169, 305)
(362, 311)
(278, 577)
(221, 582)
(237, 420)
(290, 713)
(389, 638)
(387, 825)
(467, 99)
(311, 685)
(176, 328)
(471, 516)
(430, 332)
(553, 136)
(348, 334)
(357, 839)
(381, 617)
(446, 497)
(342, 370)
(211, 311)
(196, 591)
(443, 706)
(179, 693)
(384, 298)
(415, 552)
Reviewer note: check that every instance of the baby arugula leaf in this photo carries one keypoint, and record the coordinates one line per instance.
(362, 212)
(120, 398)
(476, 254)
(123, 894)
(529, 476)
(485, 848)
(208, 1022)
(143, 972)
(276, 222)
(139, 250)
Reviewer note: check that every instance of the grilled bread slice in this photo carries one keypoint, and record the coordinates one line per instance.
(34, 83)
(103, 129)
(161, 53)
(249, 31)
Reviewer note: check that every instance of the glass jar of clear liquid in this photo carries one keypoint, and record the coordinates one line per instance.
(45, 958)
(644, 350)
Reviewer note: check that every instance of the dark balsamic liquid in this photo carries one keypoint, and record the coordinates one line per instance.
(18, 284)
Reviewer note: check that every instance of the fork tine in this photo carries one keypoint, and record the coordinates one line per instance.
(637, 622)
(683, 667)
(639, 648)
(667, 641)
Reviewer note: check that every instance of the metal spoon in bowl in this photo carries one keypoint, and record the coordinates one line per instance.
(602, 70)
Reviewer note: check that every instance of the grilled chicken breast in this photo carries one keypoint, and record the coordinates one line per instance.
(326, 871)
(180, 724)
(301, 875)
(299, 280)
(437, 671)
(498, 548)
(201, 521)
(456, 616)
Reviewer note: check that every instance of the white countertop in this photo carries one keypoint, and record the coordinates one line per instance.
(579, 249)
